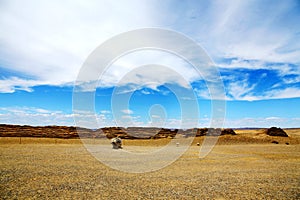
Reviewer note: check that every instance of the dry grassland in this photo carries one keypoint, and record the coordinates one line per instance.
(246, 166)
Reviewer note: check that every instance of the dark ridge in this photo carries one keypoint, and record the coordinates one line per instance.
(106, 132)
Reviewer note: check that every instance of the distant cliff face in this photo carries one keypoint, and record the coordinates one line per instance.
(38, 131)
(108, 132)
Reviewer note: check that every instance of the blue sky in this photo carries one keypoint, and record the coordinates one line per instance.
(254, 44)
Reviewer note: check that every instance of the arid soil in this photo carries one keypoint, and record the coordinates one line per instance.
(243, 166)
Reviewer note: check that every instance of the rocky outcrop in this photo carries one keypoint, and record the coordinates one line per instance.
(274, 131)
(42, 131)
(202, 131)
(228, 131)
(219, 131)
(112, 132)
(156, 133)
(165, 133)
(108, 132)
(138, 132)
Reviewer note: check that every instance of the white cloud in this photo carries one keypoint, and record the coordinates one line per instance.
(49, 40)
(128, 121)
(127, 111)
(202, 93)
(293, 80)
(105, 112)
(282, 69)
(42, 117)
(54, 46)
(148, 68)
(214, 93)
(12, 84)
(155, 116)
(291, 92)
(34, 116)
(145, 92)
(272, 118)
(240, 90)
(31, 110)
(254, 31)
(263, 122)
(152, 76)
(126, 117)
(243, 90)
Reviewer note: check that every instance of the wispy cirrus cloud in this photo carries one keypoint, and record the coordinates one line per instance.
(254, 30)
(11, 84)
(247, 34)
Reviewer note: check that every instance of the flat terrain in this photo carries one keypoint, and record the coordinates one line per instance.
(246, 166)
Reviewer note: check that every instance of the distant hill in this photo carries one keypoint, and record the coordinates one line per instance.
(7, 130)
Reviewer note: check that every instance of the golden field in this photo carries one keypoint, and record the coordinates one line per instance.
(245, 166)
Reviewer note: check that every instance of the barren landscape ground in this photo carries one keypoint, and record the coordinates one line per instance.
(245, 166)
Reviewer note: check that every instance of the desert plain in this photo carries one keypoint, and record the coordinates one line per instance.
(249, 165)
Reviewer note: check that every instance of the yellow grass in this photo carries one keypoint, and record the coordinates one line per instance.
(237, 168)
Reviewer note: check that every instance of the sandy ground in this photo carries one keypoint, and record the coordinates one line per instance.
(247, 166)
